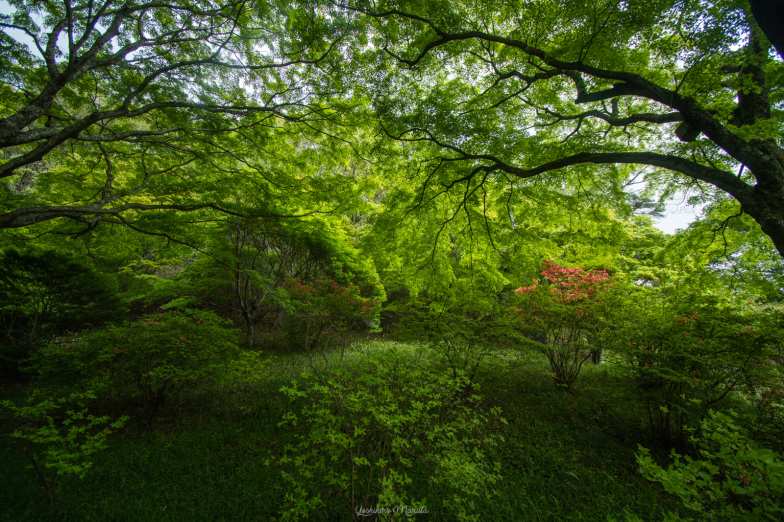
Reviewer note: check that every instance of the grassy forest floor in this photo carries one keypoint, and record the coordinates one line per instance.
(213, 453)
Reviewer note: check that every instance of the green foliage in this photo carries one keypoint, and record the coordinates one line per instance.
(729, 479)
(66, 445)
(150, 358)
(691, 352)
(248, 262)
(736, 251)
(326, 309)
(515, 131)
(463, 326)
(363, 432)
(511, 111)
(563, 457)
(44, 293)
(245, 371)
(185, 133)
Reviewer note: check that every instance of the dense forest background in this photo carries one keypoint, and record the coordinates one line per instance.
(325, 260)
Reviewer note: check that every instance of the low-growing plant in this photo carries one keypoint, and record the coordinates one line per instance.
(729, 479)
(691, 353)
(461, 336)
(363, 434)
(463, 323)
(65, 445)
(150, 358)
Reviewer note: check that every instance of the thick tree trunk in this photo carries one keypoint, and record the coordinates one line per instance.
(774, 227)
(771, 220)
(769, 15)
(765, 203)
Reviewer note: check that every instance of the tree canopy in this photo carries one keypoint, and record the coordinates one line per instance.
(690, 91)
(113, 111)
(119, 108)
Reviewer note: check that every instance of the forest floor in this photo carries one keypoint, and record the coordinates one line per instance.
(213, 453)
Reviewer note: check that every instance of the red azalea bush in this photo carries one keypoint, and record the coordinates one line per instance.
(327, 309)
(569, 284)
(560, 314)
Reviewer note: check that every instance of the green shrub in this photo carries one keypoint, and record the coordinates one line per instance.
(460, 338)
(65, 446)
(45, 293)
(151, 358)
(732, 479)
(365, 434)
(690, 353)
(463, 325)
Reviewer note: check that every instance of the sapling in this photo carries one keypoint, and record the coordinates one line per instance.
(67, 445)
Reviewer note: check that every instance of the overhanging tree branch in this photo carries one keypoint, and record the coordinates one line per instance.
(539, 55)
(92, 214)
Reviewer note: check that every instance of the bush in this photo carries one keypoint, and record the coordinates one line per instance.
(463, 328)
(365, 434)
(732, 479)
(65, 446)
(691, 353)
(325, 311)
(151, 358)
(561, 313)
(47, 293)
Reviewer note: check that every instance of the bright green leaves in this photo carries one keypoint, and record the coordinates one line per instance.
(65, 445)
(731, 478)
(367, 430)
(180, 107)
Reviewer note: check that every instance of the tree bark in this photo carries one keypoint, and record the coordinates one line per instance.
(769, 15)
(250, 337)
(766, 209)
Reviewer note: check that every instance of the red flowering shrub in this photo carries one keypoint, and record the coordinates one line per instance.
(560, 313)
(326, 309)
(569, 284)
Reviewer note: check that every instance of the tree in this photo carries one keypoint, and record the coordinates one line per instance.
(495, 93)
(248, 263)
(263, 256)
(562, 311)
(768, 15)
(122, 108)
(244, 268)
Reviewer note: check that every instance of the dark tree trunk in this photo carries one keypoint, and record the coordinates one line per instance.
(769, 15)
(250, 337)
(766, 209)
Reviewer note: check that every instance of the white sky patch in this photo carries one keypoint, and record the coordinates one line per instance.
(22, 37)
(678, 215)
(16, 34)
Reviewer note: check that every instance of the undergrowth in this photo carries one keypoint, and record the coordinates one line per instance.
(219, 453)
